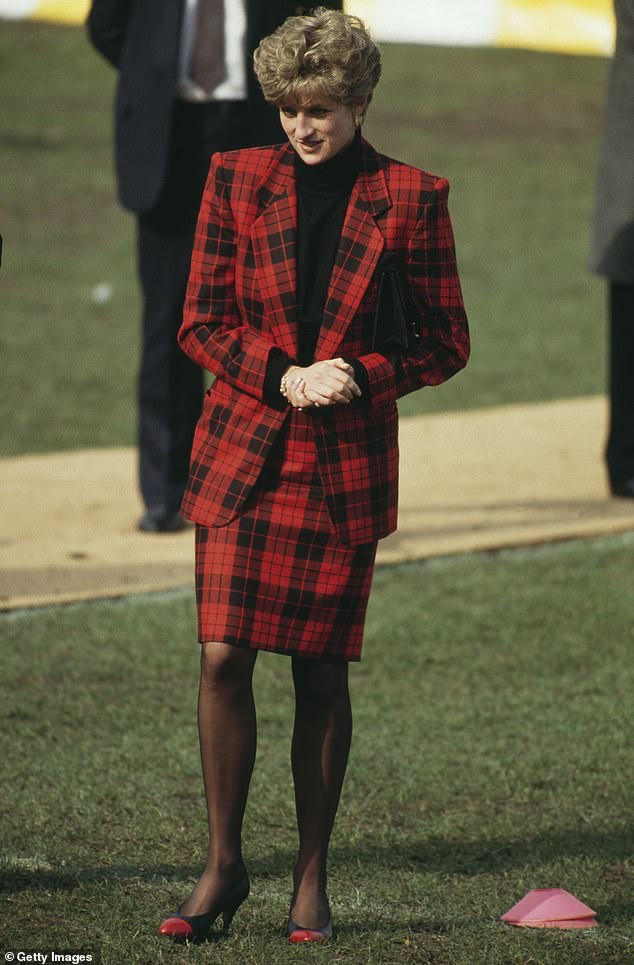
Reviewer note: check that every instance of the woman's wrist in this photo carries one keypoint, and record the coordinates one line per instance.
(285, 382)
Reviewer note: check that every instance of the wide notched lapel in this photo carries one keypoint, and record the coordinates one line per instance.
(274, 241)
(360, 246)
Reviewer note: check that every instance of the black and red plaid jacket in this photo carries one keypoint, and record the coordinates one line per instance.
(241, 306)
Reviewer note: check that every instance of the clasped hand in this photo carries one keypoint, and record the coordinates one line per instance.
(330, 382)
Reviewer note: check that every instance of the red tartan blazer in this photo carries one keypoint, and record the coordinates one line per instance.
(241, 306)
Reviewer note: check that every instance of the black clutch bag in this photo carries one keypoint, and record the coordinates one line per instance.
(396, 321)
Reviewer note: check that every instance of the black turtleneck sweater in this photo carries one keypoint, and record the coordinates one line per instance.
(323, 193)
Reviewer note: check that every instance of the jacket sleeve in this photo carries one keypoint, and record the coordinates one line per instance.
(213, 334)
(432, 275)
(107, 24)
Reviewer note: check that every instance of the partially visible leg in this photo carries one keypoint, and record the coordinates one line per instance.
(227, 732)
(170, 386)
(320, 749)
(620, 448)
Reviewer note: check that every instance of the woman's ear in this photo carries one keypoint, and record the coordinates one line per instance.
(359, 109)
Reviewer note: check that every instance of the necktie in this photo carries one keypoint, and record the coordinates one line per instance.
(207, 65)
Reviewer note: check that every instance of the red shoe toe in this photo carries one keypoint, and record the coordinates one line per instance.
(298, 935)
(306, 935)
(176, 928)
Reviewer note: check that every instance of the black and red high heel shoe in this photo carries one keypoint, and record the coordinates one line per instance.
(195, 928)
(298, 935)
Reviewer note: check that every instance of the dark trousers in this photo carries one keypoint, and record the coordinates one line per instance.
(170, 386)
(620, 447)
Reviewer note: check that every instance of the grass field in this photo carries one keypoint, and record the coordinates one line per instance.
(492, 755)
(516, 133)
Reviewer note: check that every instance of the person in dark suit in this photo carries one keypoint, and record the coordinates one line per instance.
(186, 90)
(613, 249)
(294, 471)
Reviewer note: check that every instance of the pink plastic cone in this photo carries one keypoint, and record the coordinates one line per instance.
(550, 908)
(570, 923)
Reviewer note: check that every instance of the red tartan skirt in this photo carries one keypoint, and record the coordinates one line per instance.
(277, 577)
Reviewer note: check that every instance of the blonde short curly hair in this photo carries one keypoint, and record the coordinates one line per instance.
(325, 54)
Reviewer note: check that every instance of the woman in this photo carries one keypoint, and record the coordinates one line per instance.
(294, 467)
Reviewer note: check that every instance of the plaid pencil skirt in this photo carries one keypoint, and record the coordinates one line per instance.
(277, 577)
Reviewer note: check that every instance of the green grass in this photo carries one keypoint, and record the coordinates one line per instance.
(516, 132)
(69, 363)
(492, 755)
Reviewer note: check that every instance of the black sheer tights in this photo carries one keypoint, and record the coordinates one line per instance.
(320, 747)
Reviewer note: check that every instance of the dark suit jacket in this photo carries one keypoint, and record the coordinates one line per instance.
(241, 307)
(141, 38)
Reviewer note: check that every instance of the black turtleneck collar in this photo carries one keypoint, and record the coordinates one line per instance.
(338, 173)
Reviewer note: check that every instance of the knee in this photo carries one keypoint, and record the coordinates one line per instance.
(225, 667)
(320, 681)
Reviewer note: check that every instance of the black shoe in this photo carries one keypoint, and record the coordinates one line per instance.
(160, 521)
(195, 928)
(624, 488)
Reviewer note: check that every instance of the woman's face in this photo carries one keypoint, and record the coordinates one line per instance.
(319, 129)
